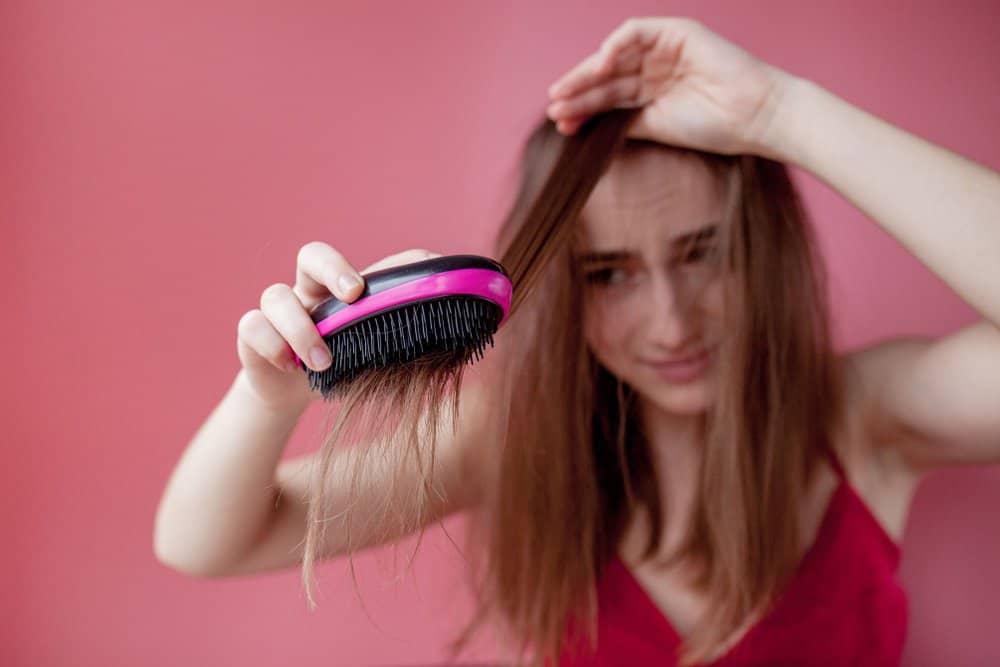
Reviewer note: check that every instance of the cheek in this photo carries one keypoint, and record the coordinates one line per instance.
(607, 333)
(713, 302)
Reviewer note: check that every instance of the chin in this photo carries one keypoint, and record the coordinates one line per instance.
(680, 401)
(689, 398)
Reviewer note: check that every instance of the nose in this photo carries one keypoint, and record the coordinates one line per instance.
(671, 318)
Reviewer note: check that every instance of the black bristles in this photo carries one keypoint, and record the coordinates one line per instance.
(456, 328)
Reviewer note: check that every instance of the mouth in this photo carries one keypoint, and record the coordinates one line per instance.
(683, 370)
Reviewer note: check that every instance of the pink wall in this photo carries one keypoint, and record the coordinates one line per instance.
(160, 166)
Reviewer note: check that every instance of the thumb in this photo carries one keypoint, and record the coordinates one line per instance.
(640, 127)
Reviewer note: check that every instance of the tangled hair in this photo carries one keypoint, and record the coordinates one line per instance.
(571, 467)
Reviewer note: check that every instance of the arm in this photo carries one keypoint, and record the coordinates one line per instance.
(231, 508)
(940, 206)
(932, 403)
(220, 495)
(935, 401)
(457, 470)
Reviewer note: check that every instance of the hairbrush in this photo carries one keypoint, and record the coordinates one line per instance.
(444, 309)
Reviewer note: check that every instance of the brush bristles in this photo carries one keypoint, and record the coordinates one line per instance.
(447, 331)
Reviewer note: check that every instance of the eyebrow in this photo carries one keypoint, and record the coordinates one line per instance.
(680, 241)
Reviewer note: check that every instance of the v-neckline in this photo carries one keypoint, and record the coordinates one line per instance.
(822, 536)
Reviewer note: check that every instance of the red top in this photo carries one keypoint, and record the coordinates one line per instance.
(843, 606)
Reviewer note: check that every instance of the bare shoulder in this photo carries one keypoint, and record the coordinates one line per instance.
(867, 447)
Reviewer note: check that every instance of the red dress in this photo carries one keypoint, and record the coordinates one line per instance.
(843, 606)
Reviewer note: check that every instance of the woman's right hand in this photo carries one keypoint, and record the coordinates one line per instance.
(268, 338)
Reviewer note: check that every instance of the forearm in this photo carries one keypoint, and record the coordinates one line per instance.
(221, 493)
(940, 206)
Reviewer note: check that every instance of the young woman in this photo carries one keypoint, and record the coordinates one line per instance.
(663, 453)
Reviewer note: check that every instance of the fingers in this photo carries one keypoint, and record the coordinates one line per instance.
(321, 271)
(290, 322)
(616, 86)
(633, 32)
(258, 337)
(570, 126)
(625, 63)
(584, 75)
(617, 55)
(619, 93)
(620, 53)
(282, 328)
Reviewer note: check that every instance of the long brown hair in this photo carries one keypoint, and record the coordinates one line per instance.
(571, 466)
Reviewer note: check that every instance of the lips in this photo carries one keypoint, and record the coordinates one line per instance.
(683, 360)
(696, 357)
(684, 370)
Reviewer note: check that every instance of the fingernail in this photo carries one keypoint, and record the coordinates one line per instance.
(348, 282)
(320, 357)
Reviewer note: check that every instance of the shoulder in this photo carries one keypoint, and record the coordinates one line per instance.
(869, 448)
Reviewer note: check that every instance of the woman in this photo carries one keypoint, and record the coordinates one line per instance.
(925, 403)
(745, 488)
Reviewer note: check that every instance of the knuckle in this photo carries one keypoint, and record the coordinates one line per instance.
(303, 335)
(273, 294)
(306, 250)
(628, 25)
(249, 322)
(317, 252)
(274, 349)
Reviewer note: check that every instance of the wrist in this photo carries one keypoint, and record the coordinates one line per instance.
(292, 408)
(781, 136)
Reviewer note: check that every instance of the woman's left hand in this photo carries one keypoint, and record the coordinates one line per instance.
(697, 90)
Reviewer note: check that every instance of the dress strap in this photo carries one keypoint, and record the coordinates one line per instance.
(834, 461)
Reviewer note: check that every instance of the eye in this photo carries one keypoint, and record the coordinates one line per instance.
(607, 276)
(700, 253)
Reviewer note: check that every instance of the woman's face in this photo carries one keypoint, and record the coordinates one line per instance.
(652, 298)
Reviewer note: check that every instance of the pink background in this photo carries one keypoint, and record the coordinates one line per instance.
(160, 166)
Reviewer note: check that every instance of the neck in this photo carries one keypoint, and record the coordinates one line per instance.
(676, 446)
(672, 431)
